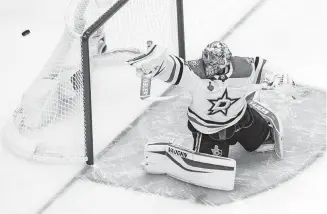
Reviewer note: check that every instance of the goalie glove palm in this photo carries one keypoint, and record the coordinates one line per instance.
(151, 63)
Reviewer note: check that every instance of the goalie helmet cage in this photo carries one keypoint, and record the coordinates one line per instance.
(64, 85)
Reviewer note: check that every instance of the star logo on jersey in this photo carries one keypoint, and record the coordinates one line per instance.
(222, 104)
(216, 151)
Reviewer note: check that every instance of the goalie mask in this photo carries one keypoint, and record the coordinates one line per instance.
(216, 57)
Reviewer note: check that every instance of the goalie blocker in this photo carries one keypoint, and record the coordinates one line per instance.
(199, 169)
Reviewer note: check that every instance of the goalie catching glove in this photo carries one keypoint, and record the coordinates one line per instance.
(151, 63)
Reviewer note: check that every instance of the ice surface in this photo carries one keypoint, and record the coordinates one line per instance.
(304, 141)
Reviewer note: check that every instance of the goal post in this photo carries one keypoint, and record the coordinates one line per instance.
(180, 24)
(86, 64)
(86, 76)
(55, 120)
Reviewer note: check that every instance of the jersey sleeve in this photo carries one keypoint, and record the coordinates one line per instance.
(178, 73)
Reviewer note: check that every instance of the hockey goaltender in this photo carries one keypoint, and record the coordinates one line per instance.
(223, 112)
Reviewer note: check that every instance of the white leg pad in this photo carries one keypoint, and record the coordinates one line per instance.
(191, 167)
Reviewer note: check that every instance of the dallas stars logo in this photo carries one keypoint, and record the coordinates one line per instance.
(221, 104)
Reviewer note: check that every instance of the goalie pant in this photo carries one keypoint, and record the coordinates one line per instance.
(251, 131)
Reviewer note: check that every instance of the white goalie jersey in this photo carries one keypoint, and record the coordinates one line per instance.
(218, 102)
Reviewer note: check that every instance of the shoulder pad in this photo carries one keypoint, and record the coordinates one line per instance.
(193, 63)
(242, 67)
(249, 59)
(197, 67)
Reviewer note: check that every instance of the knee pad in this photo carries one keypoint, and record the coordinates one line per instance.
(275, 123)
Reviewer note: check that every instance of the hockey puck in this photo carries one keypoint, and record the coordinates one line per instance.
(26, 32)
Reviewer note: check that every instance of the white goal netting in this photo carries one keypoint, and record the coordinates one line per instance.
(49, 123)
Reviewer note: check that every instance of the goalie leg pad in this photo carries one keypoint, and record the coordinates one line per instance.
(195, 168)
(154, 154)
(275, 123)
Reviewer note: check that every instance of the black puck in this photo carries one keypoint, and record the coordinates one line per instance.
(26, 32)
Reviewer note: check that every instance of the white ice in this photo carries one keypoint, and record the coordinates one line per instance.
(288, 32)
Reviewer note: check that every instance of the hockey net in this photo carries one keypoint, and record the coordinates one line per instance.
(50, 123)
